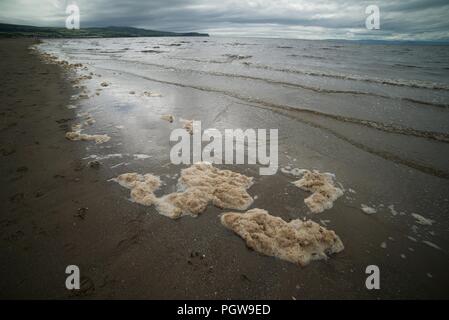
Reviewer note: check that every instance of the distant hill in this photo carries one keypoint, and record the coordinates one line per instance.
(13, 30)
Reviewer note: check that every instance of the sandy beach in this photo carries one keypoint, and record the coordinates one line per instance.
(58, 208)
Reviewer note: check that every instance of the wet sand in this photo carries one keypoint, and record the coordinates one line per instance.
(57, 210)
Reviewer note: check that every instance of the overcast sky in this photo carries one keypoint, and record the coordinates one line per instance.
(307, 19)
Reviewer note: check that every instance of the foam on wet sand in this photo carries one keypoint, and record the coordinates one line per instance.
(89, 120)
(294, 172)
(296, 241)
(152, 94)
(78, 136)
(199, 185)
(422, 220)
(188, 125)
(168, 117)
(142, 187)
(322, 186)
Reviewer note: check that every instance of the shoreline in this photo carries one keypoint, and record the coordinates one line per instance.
(59, 211)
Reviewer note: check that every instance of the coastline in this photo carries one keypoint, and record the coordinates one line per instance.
(59, 211)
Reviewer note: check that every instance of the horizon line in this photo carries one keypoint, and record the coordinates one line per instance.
(440, 41)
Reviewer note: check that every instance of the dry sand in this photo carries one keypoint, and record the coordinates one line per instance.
(47, 185)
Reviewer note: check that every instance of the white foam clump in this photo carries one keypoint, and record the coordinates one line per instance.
(168, 117)
(137, 156)
(188, 125)
(104, 157)
(142, 186)
(141, 156)
(77, 127)
(152, 94)
(78, 136)
(393, 210)
(201, 183)
(296, 241)
(322, 186)
(368, 209)
(294, 172)
(422, 220)
(89, 120)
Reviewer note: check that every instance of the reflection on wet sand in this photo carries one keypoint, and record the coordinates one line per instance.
(362, 127)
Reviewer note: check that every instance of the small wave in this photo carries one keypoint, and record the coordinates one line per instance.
(391, 82)
(380, 153)
(199, 60)
(116, 51)
(306, 56)
(236, 56)
(406, 66)
(235, 44)
(172, 45)
(290, 84)
(152, 51)
(437, 136)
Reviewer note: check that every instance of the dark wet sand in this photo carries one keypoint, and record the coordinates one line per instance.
(57, 211)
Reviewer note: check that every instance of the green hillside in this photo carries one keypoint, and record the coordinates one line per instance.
(12, 30)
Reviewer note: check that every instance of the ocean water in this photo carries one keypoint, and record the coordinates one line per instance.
(398, 89)
(375, 115)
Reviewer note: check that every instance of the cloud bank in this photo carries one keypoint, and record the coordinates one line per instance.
(311, 19)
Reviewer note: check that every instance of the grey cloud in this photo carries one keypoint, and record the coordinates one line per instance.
(404, 19)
